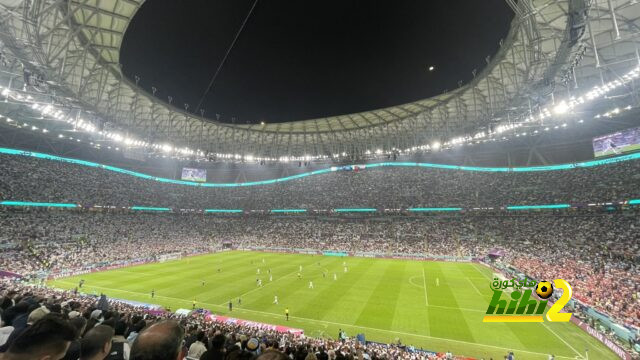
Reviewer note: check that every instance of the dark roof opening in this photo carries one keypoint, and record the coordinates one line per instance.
(297, 60)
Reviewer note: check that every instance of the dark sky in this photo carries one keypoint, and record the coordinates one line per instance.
(302, 59)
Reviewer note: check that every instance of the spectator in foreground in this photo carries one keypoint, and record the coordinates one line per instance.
(216, 350)
(35, 315)
(73, 352)
(120, 348)
(47, 339)
(96, 343)
(272, 355)
(160, 341)
(197, 348)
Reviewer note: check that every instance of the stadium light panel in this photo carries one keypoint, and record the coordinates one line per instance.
(145, 208)
(533, 207)
(634, 202)
(561, 108)
(355, 210)
(435, 209)
(37, 204)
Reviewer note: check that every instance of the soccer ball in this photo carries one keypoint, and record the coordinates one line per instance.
(544, 289)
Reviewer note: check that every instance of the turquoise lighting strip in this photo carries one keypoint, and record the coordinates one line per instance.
(584, 164)
(435, 209)
(275, 211)
(355, 210)
(145, 208)
(532, 207)
(37, 204)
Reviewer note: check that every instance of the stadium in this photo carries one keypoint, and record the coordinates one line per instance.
(496, 220)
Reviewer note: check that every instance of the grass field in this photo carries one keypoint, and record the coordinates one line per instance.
(621, 150)
(384, 299)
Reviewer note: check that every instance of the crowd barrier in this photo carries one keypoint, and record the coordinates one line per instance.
(254, 324)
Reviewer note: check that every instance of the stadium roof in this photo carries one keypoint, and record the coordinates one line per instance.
(549, 51)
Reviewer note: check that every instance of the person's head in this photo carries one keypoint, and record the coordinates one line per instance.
(252, 345)
(111, 322)
(96, 343)
(37, 314)
(79, 323)
(272, 355)
(217, 343)
(120, 328)
(200, 336)
(137, 327)
(161, 341)
(47, 339)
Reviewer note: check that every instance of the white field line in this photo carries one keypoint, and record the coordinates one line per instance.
(564, 341)
(546, 326)
(481, 273)
(345, 325)
(424, 280)
(474, 286)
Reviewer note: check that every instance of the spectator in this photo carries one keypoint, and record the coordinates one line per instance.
(96, 343)
(120, 348)
(47, 339)
(73, 353)
(216, 349)
(161, 341)
(197, 348)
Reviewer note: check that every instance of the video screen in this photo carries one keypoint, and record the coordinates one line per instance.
(190, 174)
(617, 143)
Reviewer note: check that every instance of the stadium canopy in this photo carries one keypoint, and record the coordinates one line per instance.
(554, 49)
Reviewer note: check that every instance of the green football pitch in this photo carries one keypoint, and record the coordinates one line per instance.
(438, 306)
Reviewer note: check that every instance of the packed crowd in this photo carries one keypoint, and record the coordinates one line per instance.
(39, 322)
(31, 179)
(596, 253)
(61, 241)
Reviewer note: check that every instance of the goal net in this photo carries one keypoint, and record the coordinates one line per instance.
(167, 257)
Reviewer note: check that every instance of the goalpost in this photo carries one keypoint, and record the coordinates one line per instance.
(171, 256)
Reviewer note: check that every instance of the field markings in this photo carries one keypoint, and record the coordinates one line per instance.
(564, 341)
(340, 324)
(424, 280)
(475, 266)
(474, 286)
(580, 356)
